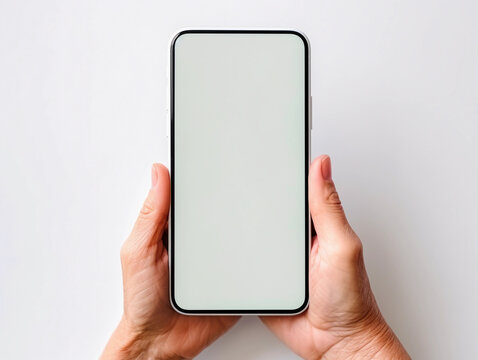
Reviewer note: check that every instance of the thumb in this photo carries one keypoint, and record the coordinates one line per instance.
(153, 217)
(333, 230)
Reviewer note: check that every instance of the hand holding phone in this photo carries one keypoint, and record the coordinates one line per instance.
(342, 319)
(149, 327)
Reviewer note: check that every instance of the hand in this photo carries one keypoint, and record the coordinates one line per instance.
(149, 327)
(343, 320)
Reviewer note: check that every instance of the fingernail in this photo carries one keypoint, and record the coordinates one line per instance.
(154, 176)
(326, 168)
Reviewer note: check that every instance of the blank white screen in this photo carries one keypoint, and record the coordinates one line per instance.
(239, 171)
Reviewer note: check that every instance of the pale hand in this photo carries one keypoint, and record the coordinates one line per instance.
(343, 320)
(150, 328)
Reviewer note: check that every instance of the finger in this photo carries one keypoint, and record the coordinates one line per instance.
(325, 206)
(152, 219)
(330, 222)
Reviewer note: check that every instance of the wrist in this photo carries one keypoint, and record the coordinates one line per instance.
(388, 346)
(126, 344)
(375, 341)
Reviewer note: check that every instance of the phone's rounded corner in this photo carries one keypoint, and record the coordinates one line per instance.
(301, 35)
(177, 308)
(303, 307)
(177, 35)
(283, 312)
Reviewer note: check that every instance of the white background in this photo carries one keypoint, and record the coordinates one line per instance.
(82, 117)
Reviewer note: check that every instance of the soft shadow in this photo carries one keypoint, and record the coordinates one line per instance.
(249, 339)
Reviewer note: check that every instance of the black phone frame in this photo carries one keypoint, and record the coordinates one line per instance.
(307, 127)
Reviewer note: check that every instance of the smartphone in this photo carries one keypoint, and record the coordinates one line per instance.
(239, 227)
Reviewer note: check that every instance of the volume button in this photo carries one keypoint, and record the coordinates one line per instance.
(311, 119)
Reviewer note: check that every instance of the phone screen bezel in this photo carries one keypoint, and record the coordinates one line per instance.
(307, 222)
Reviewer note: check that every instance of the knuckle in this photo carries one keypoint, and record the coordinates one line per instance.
(333, 203)
(332, 197)
(125, 253)
(353, 250)
(148, 209)
(347, 249)
(356, 249)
